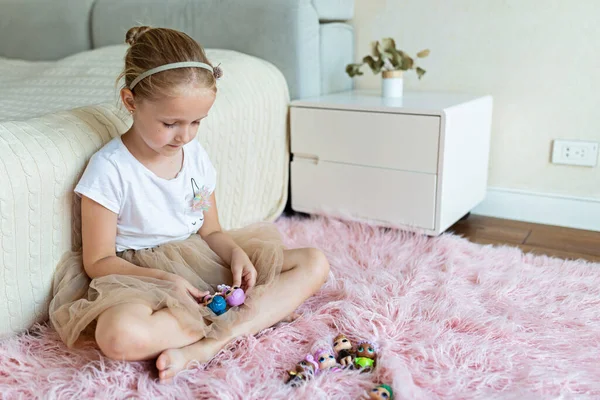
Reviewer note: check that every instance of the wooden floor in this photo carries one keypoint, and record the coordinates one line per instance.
(540, 239)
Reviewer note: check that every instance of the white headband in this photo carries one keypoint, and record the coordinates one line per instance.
(185, 64)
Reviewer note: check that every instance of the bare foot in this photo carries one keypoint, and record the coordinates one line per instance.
(173, 361)
(169, 363)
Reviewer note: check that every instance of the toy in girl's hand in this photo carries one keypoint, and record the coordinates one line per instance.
(381, 392)
(343, 350)
(234, 296)
(206, 300)
(216, 303)
(304, 370)
(225, 297)
(366, 354)
(326, 360)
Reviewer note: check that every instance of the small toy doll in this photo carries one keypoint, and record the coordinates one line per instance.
(326, 360)
(381, 392)
(216, 303)
(366, 354)
(303, 371)
(343, 350)
(234, 296)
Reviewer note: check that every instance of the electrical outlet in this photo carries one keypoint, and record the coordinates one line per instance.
(575, 152)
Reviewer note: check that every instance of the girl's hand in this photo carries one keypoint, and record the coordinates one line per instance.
(184, 286)
(244, 273)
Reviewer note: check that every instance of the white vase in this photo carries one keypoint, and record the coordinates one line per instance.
(392, 84)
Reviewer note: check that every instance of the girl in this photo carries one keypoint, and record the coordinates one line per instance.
(152, 245)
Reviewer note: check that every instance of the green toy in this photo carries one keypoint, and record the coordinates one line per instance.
(381, 392)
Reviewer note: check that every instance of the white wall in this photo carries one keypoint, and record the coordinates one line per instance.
(539, 59)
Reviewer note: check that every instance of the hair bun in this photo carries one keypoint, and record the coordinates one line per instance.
(134, 33)
(218, 72)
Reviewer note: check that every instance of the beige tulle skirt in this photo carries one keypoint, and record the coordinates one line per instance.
(78, 300)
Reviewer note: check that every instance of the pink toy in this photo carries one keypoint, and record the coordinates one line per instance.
(234, 296)
(326, 360)
(206, 300)
(311, 360)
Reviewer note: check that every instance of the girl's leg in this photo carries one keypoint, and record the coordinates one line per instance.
(133, 332)
(304, 272)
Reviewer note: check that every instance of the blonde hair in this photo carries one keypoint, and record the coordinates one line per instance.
(153, 47)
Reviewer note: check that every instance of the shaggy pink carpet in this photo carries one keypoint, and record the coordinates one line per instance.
(453, 320)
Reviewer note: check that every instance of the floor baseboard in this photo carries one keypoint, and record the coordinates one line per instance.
(541, 208)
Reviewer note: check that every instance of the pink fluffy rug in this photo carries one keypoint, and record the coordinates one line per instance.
(453, 320)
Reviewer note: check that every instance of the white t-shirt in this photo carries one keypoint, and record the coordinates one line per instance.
(151, 210)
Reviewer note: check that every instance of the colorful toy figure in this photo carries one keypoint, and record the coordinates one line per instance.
(326, 360)
(381, 392)
(216, 303)
(206, 300)
(304, 370)
(366, 354)
(343, 350)
(225, 297)
(234, 296)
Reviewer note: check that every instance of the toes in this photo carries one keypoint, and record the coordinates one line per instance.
(166, 376)
(162, 362)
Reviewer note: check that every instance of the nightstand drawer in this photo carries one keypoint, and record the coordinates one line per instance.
(396, 141)
(398, 197)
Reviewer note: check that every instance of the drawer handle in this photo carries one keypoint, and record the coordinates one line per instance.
(307, 157)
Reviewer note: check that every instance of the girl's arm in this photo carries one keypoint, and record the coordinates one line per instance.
(211, 232)
(98, 233)
(224, 246)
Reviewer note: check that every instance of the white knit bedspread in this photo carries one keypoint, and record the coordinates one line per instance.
(42, 157)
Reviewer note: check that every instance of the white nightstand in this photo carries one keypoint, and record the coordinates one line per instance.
(420, 162)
